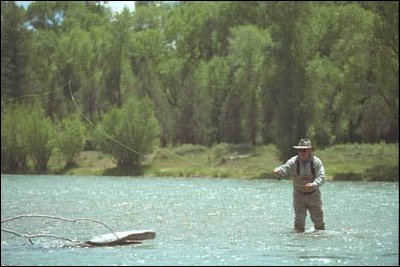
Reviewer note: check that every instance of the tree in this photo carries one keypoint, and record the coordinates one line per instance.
(129, 133)
(384, 72)
(16, 78)
(247, 52)
(338, 71)
(212, 79)
(40, 137)
(71, 137)
(289, 82)
(14, 143)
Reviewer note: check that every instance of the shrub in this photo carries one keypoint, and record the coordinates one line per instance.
(348, 176)
(40, 134)
(71, 137)
(129, 133)
(13, 138)
(189, 149)
(382, 173)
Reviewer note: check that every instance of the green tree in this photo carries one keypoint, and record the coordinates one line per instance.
(71, 137)
(40, 135)
(212, 79)
(45, 15)
(383, 75)
(147, 53)
(14, 143)
(338, 71)
(129, 133)
(16, 77)
(289, 82)
(247, 52)
(116, 57)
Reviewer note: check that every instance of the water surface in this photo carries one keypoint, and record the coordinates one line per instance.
(198, 221)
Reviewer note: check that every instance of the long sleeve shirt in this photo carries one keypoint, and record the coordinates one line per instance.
(304, 174)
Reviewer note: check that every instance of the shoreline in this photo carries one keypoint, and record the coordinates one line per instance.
(351, 162)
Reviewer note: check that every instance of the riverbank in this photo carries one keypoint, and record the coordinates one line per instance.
(356, 162)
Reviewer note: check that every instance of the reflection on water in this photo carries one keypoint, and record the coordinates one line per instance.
(198, 221)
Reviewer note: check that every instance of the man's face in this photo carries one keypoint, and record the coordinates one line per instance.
(304, 153)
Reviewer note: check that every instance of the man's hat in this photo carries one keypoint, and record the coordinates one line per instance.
(303, 143)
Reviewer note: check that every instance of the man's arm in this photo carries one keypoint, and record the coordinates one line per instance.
(319, 173)
(284, 169)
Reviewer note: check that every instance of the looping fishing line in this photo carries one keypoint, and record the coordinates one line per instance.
(116, 140)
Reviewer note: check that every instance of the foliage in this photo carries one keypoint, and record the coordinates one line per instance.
(14, 143)
(16, 72)
(71, 137)
(367, 162)
(40, 134)
(128, 133)
(189, 149)
(224, 149)
(256, 72)
(356, 161)
(25, 131)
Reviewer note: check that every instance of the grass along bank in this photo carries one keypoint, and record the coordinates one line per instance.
(368, 162)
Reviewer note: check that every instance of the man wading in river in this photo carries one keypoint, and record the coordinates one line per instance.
(308, 175)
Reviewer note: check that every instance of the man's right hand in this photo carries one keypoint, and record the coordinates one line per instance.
(276, 171)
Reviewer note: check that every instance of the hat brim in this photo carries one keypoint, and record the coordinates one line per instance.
(301, 147)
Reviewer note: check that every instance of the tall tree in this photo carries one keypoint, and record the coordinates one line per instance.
(16, 77)
(384, 73)
(289, 83)
(247, 51)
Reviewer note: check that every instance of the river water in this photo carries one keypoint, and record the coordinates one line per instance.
(198, 221)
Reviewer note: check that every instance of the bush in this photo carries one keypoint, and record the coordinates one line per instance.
(25, 131)
(189, 149)
(40, 134)
(382, 173)
(129, 133)
(349, 176)
(162, 154)
(224, 149)
(14, 150)
(71, 138)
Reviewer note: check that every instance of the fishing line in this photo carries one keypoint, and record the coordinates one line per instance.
(29, 95)
(116, 140)
(101, 130)
(47, 94)
(43, 95)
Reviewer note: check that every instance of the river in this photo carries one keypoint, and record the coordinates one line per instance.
(198, 221)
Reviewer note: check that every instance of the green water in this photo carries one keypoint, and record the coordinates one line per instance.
(198, 221)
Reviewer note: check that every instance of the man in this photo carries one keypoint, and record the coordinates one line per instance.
(308, 175)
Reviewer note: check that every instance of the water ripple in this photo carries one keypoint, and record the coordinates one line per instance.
(199, 221)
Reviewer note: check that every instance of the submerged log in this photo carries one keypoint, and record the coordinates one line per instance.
(121, 238)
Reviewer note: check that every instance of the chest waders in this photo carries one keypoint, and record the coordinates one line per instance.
(314, 207)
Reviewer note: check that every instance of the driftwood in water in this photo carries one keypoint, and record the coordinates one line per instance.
(110, 239)
(123, 238)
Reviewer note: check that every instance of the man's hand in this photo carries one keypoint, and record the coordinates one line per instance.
(276, 171)
(309, 185)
